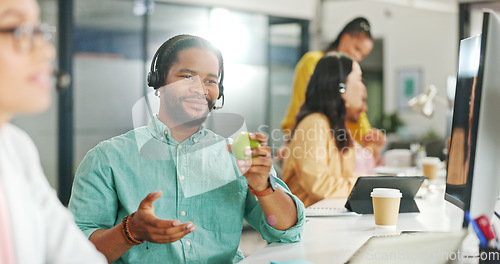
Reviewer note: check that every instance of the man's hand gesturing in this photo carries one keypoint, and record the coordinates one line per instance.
(145, 226)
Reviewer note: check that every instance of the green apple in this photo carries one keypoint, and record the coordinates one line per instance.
(241, 143)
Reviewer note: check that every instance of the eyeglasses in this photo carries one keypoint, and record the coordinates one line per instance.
(25, 34)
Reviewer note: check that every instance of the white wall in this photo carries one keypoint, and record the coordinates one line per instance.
(304, 9)
(413, 38)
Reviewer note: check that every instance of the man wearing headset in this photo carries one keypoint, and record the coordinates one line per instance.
(196, 193)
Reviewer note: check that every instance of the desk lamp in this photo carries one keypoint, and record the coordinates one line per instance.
(424, 102)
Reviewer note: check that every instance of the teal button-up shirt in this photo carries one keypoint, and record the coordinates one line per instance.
(200, 183)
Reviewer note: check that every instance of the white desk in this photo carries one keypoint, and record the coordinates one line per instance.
(334, 239)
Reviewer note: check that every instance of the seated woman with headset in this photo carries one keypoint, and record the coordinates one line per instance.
(323, 153)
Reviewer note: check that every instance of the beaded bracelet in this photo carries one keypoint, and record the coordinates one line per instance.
(126, 231)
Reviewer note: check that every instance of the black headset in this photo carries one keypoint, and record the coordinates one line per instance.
(154, 81)
(153, 78)
(341, 77)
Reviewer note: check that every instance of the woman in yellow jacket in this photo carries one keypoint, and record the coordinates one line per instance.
(322, 156)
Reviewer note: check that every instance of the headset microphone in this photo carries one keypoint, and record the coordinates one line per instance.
(222, 105)
(221, 91)
(62, 80)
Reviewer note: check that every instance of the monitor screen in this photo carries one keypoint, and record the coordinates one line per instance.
(457, 190)
(474, 158)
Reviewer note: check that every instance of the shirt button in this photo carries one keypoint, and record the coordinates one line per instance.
(179, 147)
(195, 140)
(166, 132)
(183, 213)
(182, 177)
(188, 243)
(161, 138)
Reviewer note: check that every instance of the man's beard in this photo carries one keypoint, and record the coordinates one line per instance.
(178, 114)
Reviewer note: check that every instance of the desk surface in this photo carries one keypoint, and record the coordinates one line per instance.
(334, 239)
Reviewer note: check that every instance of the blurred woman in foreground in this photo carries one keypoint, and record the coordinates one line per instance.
(34, 226)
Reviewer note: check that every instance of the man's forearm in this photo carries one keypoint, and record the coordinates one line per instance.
(111, 242)
(280, 209)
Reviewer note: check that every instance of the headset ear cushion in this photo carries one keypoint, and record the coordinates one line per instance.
(153, 79)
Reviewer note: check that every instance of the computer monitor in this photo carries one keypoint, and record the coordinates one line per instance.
(457, 189)
(473, 172)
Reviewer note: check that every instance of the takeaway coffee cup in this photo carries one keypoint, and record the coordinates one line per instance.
(386, 206)
(430, 167)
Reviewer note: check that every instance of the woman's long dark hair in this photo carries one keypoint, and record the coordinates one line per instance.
(323, 95)
(356, 27)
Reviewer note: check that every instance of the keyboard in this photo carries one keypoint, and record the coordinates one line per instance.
(328, 211)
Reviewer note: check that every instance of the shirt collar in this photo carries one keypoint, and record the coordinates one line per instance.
(162, 132)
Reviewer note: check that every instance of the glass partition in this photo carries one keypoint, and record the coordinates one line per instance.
(108, 70)
(285, 51)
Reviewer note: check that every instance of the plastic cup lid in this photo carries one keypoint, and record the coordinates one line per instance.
(430, 160)
(385, 192)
